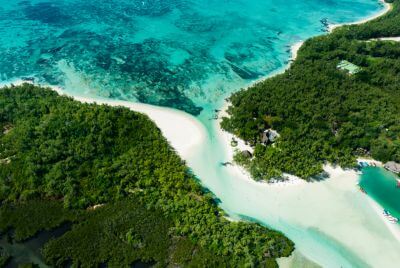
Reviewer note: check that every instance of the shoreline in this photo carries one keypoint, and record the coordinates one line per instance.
(370, 162)
(387, 7)
(243, 174)
(340, 180)
(394, 228)
(314, 214)
(294, 53)
(182, 130)
(295, 47)
(294, 50)
(239, 171)
(395, 39)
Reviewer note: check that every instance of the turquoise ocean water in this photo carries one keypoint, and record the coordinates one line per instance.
(185, 54)
(381, 185)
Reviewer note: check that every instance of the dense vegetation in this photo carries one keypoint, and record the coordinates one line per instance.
(23, 217)
(323, 113)
(4, 257)
(60, 158)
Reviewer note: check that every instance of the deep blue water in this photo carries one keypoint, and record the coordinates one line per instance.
(184, 54)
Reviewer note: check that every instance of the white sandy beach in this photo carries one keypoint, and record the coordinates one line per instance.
(387, 8)
(295, 49)
(334, 208)
(335, 213)
(394, 228)
(227, 137)
(296, 260)
(183, 131)
(395, 39)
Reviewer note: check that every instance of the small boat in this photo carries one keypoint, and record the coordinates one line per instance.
(362, 190)
(362, 164)
(398, 183)
(390, 217)
(385, 212)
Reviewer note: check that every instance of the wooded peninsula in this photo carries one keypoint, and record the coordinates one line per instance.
(110, 173)
(340, 99)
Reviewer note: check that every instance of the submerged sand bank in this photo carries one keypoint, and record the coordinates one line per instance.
(334, 208)
(305, 212)
(316, 216)
(331, 216)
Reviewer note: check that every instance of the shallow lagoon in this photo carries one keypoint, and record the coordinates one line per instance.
(381, 185)
(188, 55)
(184, 54)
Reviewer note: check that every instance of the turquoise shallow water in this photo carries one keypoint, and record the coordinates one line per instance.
(184, 54)
(381, 185)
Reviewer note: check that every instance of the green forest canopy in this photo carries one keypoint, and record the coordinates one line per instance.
(60, 157)
(322, 113)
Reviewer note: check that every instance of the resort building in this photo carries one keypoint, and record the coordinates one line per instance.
(393, 167)
(349, 67)
(269, 136)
